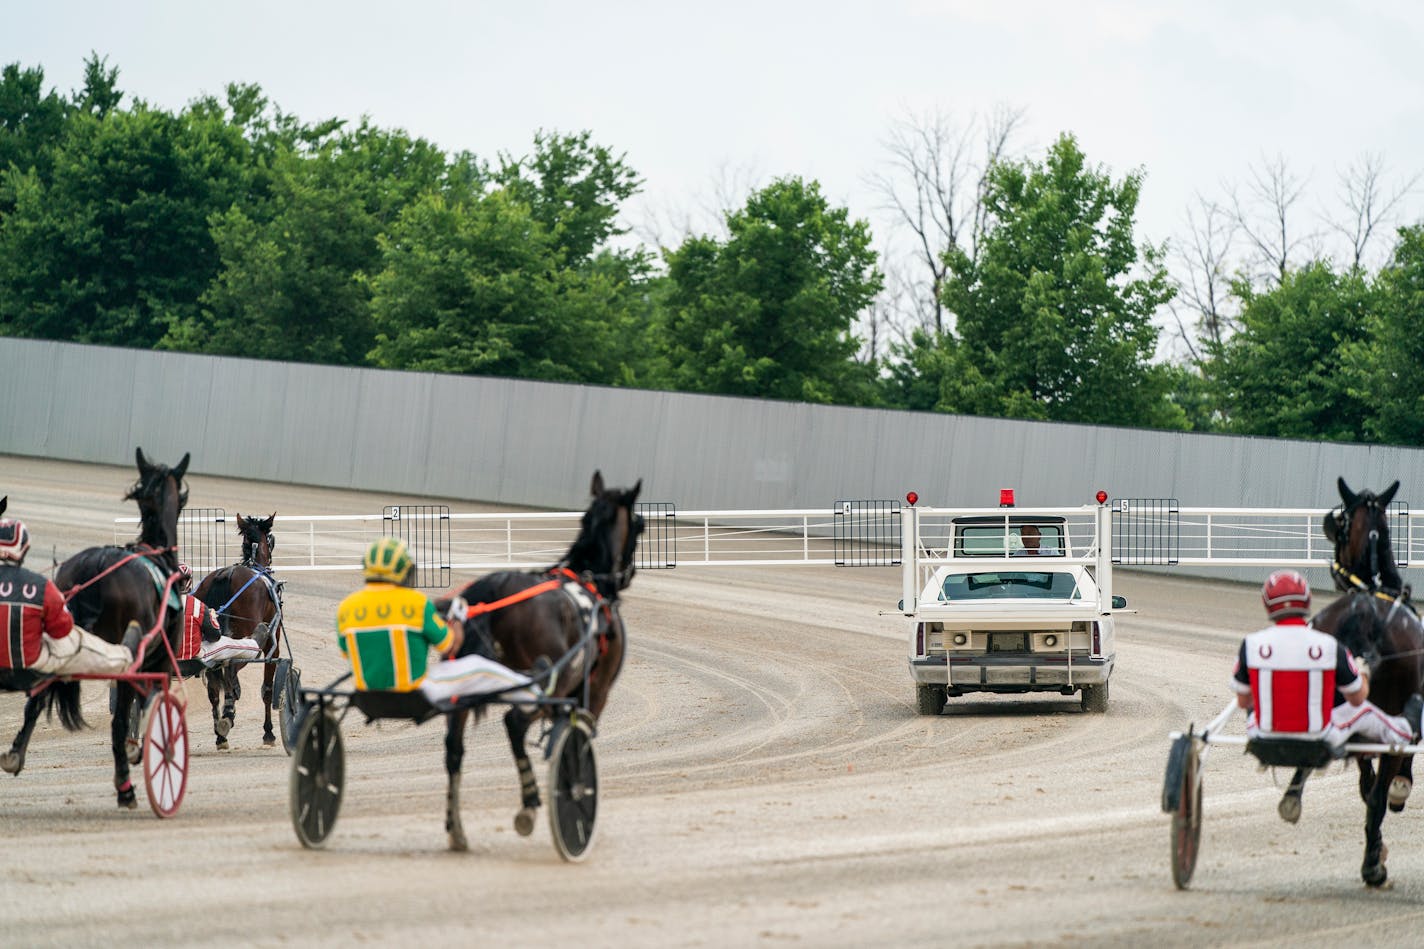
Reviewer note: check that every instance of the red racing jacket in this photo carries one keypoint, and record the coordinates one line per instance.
(30, 606)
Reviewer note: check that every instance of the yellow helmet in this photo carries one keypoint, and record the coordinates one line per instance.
(388, 560)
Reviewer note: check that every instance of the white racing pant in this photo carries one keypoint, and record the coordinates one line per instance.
(226, 649)
(81, 653)
(475, 675)
(1366, 721)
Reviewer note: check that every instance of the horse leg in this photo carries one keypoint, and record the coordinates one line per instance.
(454, 758)
(604, 674)
(119, 734)
(1289, 808)
(13, 761)
(269, 669)
(1373, 870)
(516, 724)
(1367, 779)
(1400, 787)
(220, 728)
(232, 691)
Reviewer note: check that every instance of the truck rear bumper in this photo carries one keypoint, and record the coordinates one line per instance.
(980, 673)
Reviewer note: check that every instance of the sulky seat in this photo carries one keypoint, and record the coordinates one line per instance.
(1293, 752)
(390, 704)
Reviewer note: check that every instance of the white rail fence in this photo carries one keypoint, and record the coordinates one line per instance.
(1142, 533)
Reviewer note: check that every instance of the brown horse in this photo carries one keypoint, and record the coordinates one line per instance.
(109, 588)
(1375, 621)
(248, 602)
(572, 633)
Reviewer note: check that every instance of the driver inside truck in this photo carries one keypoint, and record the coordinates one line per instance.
(1033, 546)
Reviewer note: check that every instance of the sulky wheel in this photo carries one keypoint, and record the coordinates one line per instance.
(1187, 817)
(318, 769)
(573, 790)
(289, 699)
(165, 754)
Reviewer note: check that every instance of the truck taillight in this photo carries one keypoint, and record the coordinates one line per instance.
(1097, 640)
(919, 639)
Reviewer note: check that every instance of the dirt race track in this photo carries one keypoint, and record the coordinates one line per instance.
(765, 781)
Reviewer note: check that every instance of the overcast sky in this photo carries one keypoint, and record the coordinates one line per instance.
(1194, 93)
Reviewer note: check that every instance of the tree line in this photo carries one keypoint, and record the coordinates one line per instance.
(231, 227)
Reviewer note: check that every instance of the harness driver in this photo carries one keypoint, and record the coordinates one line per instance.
(40, 634)
(1297, 682)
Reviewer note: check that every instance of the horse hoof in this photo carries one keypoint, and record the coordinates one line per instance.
(11, 763)
(1399, 790)
(127, 800)
(222, 727)
(1289, 809)
(524, 821)
(1375, 876)
(222, 744)
(133, 751)
(458, 843)
(268, 741)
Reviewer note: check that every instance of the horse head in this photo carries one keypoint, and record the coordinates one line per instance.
(1359, 529)
(257, 540)
(161, 496)
(608, 538)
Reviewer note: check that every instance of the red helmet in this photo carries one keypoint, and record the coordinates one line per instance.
(185, 577)
(1286, 593)
(14, 540)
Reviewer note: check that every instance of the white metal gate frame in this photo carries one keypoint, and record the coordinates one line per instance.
(1278, 537)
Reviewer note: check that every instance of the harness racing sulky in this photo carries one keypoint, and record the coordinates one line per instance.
(560, 628)
(1372, 623)
(246, 599)
(126, 595)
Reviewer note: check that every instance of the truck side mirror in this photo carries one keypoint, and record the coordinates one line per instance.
(1119, 602)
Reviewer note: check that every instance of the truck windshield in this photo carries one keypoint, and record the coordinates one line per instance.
(1002, 585)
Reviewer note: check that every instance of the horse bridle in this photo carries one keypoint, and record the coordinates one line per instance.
(249, 550)
(1337, 530)
(624, 567)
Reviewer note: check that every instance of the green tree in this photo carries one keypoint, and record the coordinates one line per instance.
(477, 286)
(1284, 373)
(509, 272)
(1054, 317)
(768, 313)
(114, 246)
(1386, 362)
(573, 188)
(31, 124)
(294, 267)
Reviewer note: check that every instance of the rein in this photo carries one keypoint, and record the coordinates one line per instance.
(479, 609)
(134, 553)
(257, 571)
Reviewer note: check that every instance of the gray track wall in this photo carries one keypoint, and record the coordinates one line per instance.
(536, 444)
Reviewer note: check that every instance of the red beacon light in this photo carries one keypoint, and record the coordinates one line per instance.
(1006, 497)
(1102, 497)
(912, 497)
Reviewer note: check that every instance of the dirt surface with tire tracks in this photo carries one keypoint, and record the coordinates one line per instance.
(764, 781)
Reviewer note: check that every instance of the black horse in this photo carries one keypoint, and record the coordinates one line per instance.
(248, 601)
(537, 631)
(1374, 620)
(111, 588)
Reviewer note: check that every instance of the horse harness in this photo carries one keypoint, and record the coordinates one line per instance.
(581, 590)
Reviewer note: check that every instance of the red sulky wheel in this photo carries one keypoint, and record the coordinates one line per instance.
(165, 754)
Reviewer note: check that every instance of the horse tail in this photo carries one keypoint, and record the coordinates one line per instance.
(64, 697)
